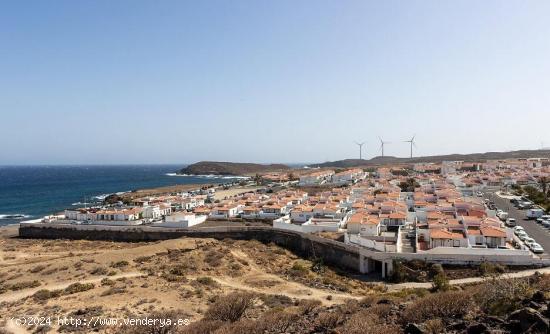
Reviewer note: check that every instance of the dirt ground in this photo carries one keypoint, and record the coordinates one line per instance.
(37, 277)
(222, 194)
(162, 190)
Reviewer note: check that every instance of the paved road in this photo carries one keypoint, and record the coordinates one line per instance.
(468, 280)
(535, 231)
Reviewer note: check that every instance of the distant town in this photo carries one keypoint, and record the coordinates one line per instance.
(453, 212)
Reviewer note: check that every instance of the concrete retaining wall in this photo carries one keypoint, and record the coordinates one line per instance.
(306, 245)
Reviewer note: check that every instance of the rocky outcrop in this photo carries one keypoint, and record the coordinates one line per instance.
(230, 168)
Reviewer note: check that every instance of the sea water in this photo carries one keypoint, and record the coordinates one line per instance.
(30, 192)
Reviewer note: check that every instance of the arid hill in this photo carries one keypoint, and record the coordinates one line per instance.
(230, 168)
(474, 157)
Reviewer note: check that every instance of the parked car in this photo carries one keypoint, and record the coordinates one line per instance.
(540, 220)
(502, 215)
(545, 217)
(528, 241)
(510, 222)
(536, 248)
(518, 228)
(546, 223)
(522, 235)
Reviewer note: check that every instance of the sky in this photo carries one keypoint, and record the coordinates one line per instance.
(108, 82)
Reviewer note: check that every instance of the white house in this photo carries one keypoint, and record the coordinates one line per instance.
(301, 214)
(318, 177)
(250, 212)
(151, 212)
(181, 220)
(313, 225)
(227, 211)
(359, 223)
(273, 210)
(348, 176)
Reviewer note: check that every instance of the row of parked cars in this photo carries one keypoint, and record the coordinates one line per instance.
(544, 221)
(522, 203)
(527, 240)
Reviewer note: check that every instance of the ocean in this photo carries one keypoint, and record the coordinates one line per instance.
(30, 192)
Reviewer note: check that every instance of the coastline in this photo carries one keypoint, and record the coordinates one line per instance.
(32, 192)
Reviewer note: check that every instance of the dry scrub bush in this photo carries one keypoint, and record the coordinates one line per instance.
(99, 271)
(178, 270)
(113, 291)
(142, 259)
(243, 326)
(498, 296)
(488, 269)
(230, 307)
(208, 281)
(174, 278)
(328, 320)
(380, 310)
(298, 269)
(78, 287)
(364, 322)
(201, 327)
(44, 294)
(37, 269)
(369, 300)
(306, 306)
(351, 306)
(108, 282)
(119, 264)
(214, 258)
(24, 285)
(276, 301)
(277, 321)
(450, 304)
(434, 326)
(541, 282)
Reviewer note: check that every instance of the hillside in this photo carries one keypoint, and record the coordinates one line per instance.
(230, 168)
(245, 286)
(376, 161)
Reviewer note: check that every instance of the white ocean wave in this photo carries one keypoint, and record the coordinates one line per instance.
(101, 197)
(14, 216)
(81, 203)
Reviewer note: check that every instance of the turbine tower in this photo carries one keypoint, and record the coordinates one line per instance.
(382, 143)
(411, 141)
(360, 149)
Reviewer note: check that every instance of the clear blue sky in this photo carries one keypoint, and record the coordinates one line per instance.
(269, 81)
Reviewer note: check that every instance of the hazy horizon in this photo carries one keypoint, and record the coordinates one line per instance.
(136, 82)
(183, 164)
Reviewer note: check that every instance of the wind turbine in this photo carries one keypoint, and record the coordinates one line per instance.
(411, 141)
(382, 143)
(360, 149)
